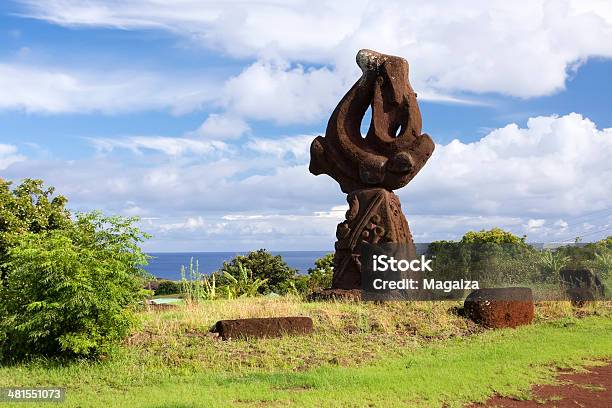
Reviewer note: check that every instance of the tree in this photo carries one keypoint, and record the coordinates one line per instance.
(491, 257)
(493, 236)
(320, 277)
(70, 287)
(29, 207)
(261, 265)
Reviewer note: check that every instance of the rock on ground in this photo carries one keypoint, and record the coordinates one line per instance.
(263, 327)
(500, 307)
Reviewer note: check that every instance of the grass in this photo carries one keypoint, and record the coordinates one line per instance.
(361, 354)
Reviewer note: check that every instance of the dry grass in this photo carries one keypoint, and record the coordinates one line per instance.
(346, 333)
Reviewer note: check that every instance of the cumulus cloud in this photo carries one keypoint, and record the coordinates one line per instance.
(523, 49)
(300, 55)
(554, 166)
(297, 147)
(550, 180)
(54, 90)
(282, 93)
(222, 127)
(9, 155)
(167, 145)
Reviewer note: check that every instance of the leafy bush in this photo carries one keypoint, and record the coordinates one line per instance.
(29, 207)
(69, 287)
(492, 236)
(167, 287)
(491, 257)
(261, 265)
(320, 277)
(593, 255)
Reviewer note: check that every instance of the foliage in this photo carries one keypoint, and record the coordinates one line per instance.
(493, 236)
(593, 255)
(602, 263)
(263, 266)
(245, 285)
(29, 207)
(495, 257)
(320, 277)
(195, 286)
(550, 263)
(168, 287)
(70, 291)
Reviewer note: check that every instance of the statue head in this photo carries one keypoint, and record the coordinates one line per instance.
(393, 150)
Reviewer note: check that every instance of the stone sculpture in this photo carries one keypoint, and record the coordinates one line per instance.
(369, 168)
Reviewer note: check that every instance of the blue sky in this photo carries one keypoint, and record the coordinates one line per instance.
(197, 116)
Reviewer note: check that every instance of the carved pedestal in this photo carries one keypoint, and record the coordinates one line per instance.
(375, 216)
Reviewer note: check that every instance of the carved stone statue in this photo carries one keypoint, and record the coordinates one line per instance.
(369, 168)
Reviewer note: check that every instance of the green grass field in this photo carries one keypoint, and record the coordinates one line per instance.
(361, 354)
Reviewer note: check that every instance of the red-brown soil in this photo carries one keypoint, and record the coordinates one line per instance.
(592, 389)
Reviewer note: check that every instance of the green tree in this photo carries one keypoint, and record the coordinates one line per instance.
(492, 236)
(29, 207)
(261, 265)
(320, 277)
(70, 287)
(494, 257)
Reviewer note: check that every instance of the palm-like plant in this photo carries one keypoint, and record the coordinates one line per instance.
(243, 285)
(602, 263)
(551, 263)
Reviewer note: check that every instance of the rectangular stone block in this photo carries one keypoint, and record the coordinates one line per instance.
(263, 327)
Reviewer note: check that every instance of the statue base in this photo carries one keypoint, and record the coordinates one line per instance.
(375, 217)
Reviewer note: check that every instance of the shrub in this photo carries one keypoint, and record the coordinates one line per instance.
(29, 207)
(492, 257)
(493, 236)
(70, 291)
(167, 287)
(261, 265)
(320, 277)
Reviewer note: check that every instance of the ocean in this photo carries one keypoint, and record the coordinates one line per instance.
(167, 265)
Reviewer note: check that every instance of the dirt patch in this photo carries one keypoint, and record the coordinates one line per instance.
(500, 307)
(262, 327)
(591, 389)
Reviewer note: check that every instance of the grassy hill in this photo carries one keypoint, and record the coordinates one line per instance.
(361, 354)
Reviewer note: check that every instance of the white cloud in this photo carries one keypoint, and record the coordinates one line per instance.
(556, 166)
(222, 127)
(543, 180)
(535, 225)
(297, 146)
(167, 145)
(9, 156)
(282, 93)
(189, 224)
(58, 90)
(520, 48)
